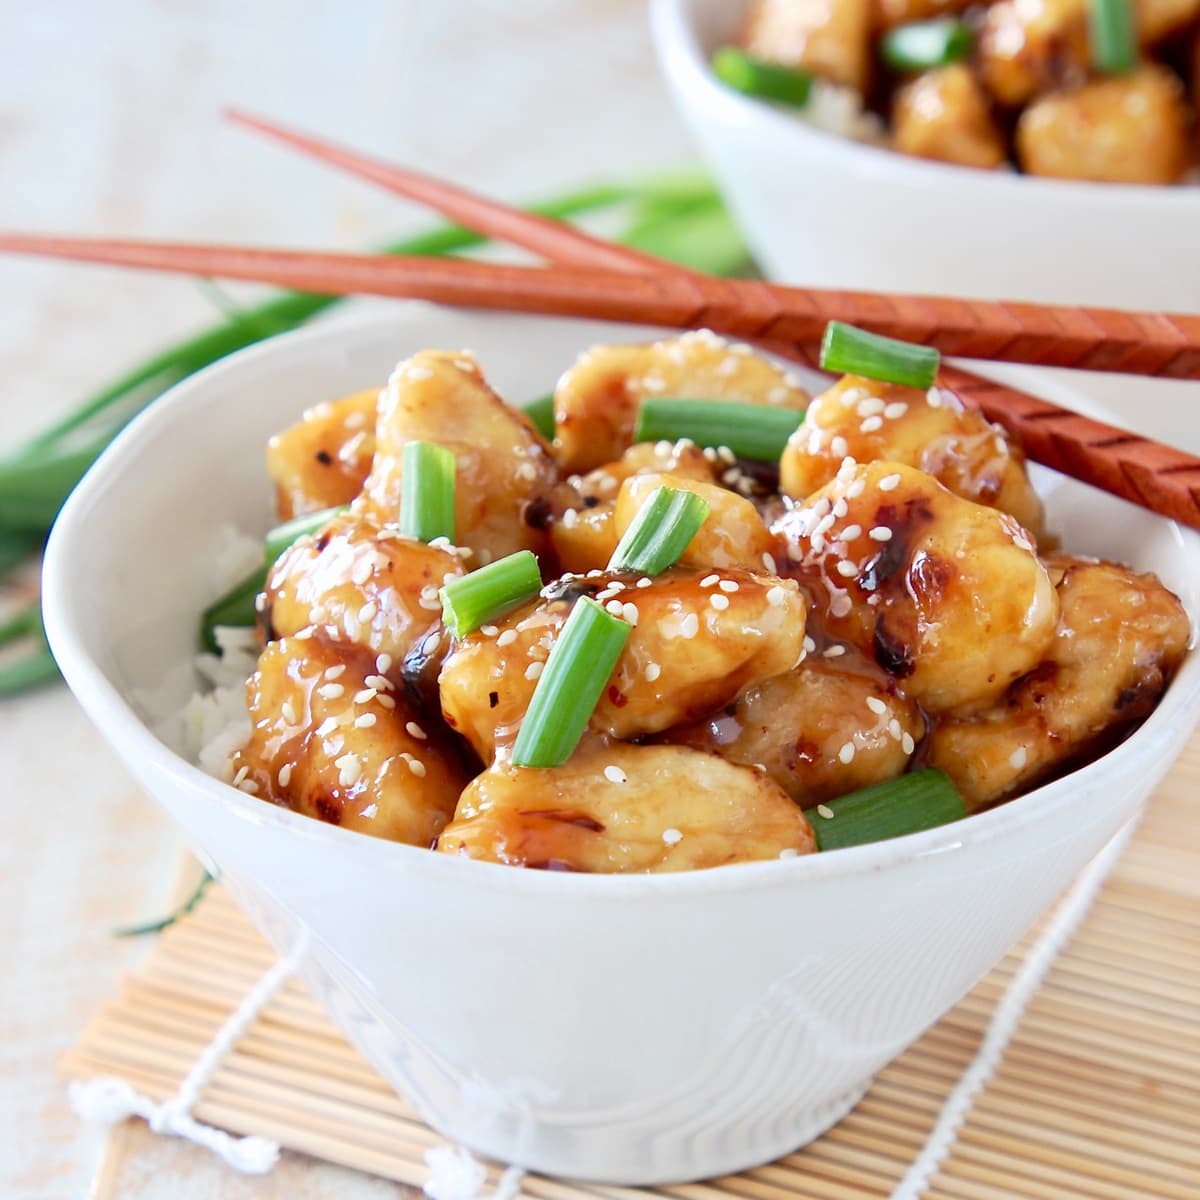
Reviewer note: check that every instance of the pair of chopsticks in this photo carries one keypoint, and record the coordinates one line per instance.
(596, 279)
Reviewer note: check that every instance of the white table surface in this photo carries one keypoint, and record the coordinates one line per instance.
(110, 123)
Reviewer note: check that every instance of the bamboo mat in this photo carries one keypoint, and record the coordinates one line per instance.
(1097, 1097)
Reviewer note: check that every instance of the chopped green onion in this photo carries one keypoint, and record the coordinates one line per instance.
(576, 673)
(427, 491)
(754, 77)
(922, 800)
(924, 45)
(660, 531)
(541, 413)
(482, 596)
(282, 536)
(756, 431)
(235, 608)
(852, 351)
(1113, 36)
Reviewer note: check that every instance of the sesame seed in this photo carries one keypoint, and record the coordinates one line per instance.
(846, 568)
(645, 581)
(833, 652)
(507, 638)
(840, 509)
(689, 626)
(327, 726)
(895, 410)
(849, 533)
(285, 774)
(789, 852)
(488, 630)
(907, 744)
(430, 645)
(856, 489)
(629, 611)
(361, 572)
(876, 705)
(386, 701)
(777, 596)
(260, 602)
(1018, 758)
(415, 765)
(880, 533)
(726, 455)
(243, 771)
(871, 424)
(615, 607)
(823, 810)
(809, 644)
(894, 728)
(288, 711)
(719, 601)
(768, 562)
(710, 580)
(379, 682)
(672, 837)
(349, 770)
(614, 774)
(871, 406)
(652, 671)
(331, 691)
(570, 519)
(889, 483)
(534, 670)
(332, 673)
(846, 753)
(728, 585)
(840, 605)
(249, 787)
(383, 664)
(839, 447)
(368, 611)
(365, 721)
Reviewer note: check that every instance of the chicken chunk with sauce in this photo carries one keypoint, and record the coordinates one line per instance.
(596, 401)
(332, 739)
(947, 596)
(1119, 639)
(698, 638)
(945, 115)
(830, 38)
(930, 430)
(622, 808)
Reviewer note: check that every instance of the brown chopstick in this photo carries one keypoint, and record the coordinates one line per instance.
(1138, 343)
(1155, 476)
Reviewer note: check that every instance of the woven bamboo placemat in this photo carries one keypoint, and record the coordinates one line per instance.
(1097, 1096)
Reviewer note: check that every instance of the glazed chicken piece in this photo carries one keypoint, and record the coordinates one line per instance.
(1120, 638)
(733, 534)
(596, 401)
(332, 739)
(945, 595)
(582, 516)
(932, 431)
(831, 38)
(620, 808)
(827, 728)
(504, 464)
(362, 585)
(323, 459)
(1131, 129)
(699, 637)
(945, 115)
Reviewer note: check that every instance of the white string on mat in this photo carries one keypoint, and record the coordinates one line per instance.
(109, 1100)
(456, 1174)
(1006, 1017)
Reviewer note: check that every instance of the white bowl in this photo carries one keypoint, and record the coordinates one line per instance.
(826, 211)
(637, 1029)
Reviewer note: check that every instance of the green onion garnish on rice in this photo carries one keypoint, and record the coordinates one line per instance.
(572, 681)
(235, 608)
(754, 77)
(541, 413)
(475, 599)
(427, 491)
(283, 536)
(925, 45)
(922, 800)
(660, 532)
(755, 431)
(1113, 36)
(848, 350)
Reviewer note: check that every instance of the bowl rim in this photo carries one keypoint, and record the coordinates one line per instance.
(130, 736)
(683, 63)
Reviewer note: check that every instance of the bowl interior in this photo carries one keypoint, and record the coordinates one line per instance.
(132, 562)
